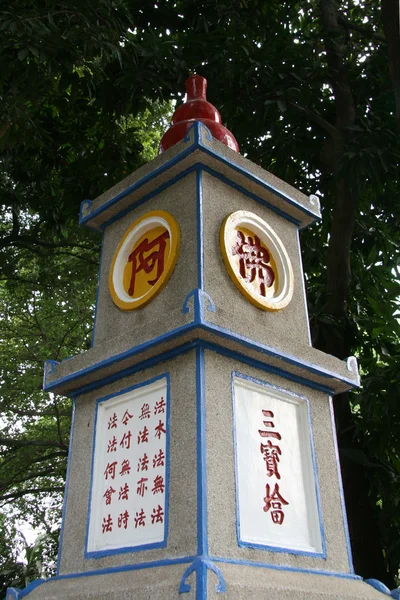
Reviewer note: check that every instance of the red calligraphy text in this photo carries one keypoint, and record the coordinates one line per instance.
(141, 486)
(126, 440)
(273, 434)
(123, 519)
(143, 464)
(125, 467)
(126, 417)
(140, 519)
(158, 485)
(123, 492)
(108, 495)
(159, 406)
(159, 429)
(112, 445)
(107, 524)
(145, 414)
(275, 501)
(112, 422)
(143, 436)
(157, 515)
(158, 460)
(140, 262)
(253, 261)
(271, 455)
(110, 470)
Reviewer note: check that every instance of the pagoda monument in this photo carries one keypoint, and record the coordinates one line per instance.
(203, 459)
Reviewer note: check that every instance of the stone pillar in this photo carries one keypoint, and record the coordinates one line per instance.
(203, 458)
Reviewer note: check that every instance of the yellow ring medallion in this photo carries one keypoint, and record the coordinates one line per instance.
(144, 259)
(256, 260)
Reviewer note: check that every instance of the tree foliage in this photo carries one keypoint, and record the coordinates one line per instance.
(311, 90)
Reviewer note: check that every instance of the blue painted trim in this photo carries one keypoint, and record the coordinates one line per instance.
(147, 197)
(171, 335)
(253, 362)
(202, 535)
(246, 192)
(84, 204)
(273, 352)
(166, 562)
(255, 179)
(279, 549)
(16, 593)
(97, 291)
(196, 128)
(303, 287)
(136, 186)
(201, 302)
(153, 545)
(48, 369)
(381, 587)
(64, 509)
(247, 563)
(341, 491)
(200, 232)
(195, 145)
(13, 593)
(199, 566)
(223, 333)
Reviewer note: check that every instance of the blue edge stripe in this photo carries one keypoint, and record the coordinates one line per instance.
(201, 563)
(198, 129)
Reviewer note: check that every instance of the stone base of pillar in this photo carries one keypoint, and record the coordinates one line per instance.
(200, 580)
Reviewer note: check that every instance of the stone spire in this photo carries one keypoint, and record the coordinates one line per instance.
(196, 108)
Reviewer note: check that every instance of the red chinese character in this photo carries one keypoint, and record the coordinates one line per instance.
(143, 436)
(112, 422)
(158, 485)
(158, 460)
(125, 467)
(159, 406)
(110, 470)
(145, 412)
(140, 262)
(126, 417)
(123, 519)
(108, 495)
(140, 519)
(273, 434)
(159, 429)
(112, 445)
(141, 486)
(123, 492)
(107, 524)
(157, 515)
(253, 261)
(271, 455)
(126, 440)
(143, 463)
(274, 500)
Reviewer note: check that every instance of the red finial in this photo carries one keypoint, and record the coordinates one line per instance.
(196, 108)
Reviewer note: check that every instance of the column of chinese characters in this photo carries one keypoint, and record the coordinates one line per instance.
(134, 473)
(271, 453)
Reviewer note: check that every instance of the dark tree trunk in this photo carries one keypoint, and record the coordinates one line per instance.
(391, 27)
(333, 339)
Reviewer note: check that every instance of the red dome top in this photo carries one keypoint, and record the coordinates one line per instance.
(196, 108)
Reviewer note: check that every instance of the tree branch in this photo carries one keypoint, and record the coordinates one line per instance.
(362, 29)
(22, 443)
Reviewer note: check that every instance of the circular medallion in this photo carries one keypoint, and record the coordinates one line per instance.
(144, 259)
(256, 260)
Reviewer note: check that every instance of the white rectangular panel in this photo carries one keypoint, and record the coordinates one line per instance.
(277, 501)
(128, 500)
